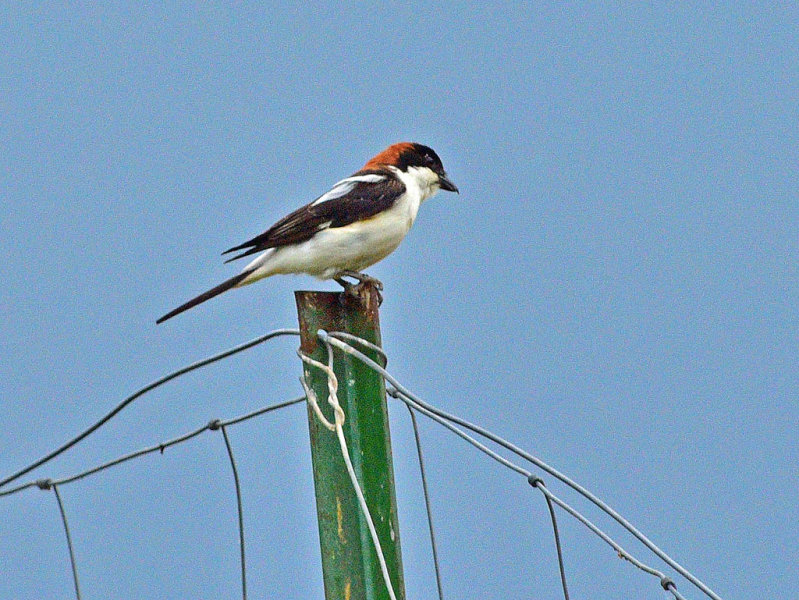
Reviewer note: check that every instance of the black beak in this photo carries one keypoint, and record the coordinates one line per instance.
(445, 184)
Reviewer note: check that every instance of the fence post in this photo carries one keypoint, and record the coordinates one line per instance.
(350, 566)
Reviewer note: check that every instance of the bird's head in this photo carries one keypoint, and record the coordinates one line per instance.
(418, 160)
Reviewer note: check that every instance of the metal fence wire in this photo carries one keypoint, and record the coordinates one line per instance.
(340, 342)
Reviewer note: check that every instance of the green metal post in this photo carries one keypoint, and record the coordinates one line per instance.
(350, 565)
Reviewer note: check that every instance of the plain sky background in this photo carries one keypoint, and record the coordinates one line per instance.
(615, 289)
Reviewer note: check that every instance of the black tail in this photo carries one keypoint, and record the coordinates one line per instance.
(222, 287)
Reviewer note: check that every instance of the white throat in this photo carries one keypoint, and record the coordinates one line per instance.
(419, 182)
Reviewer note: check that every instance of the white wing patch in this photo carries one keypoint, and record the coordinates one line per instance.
(345, 186)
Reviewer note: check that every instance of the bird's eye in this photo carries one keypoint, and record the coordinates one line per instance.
(428, 160)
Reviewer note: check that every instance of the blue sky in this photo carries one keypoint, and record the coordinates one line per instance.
(615, 289)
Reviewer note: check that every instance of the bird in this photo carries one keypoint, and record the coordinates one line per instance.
(357, 223)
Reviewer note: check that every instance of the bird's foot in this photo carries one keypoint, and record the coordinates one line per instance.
(361, 277)
(364, 281)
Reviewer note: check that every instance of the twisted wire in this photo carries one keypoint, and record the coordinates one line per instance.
(337, 426)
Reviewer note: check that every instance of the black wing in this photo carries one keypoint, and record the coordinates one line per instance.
(356, 198)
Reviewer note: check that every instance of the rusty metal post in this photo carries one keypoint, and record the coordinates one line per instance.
(349, 561)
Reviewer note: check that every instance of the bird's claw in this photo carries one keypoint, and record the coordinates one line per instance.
(364, 281)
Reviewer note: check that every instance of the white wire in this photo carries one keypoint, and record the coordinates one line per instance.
(332, 384)
(311, 395)
(343, 335)
(345, 453)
